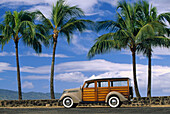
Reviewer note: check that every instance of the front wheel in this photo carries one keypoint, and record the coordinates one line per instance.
(68, 102)
(114, 102)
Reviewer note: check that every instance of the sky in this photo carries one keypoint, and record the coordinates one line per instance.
(72, 67)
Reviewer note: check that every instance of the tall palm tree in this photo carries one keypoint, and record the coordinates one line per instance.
(17, 26)
(64, 21)
(123, 33)
(148, 14)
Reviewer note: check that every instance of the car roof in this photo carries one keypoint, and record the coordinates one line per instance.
(107, 79)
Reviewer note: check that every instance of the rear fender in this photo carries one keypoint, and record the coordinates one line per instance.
(121, 97)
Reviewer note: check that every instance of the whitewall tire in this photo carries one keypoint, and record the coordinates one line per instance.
(68, 102)
(114, 102)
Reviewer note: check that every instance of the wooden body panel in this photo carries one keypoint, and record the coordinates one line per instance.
(100, 93)
(89, 94)
(124, 90)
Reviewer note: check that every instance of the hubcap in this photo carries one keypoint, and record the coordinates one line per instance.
(68, 102)
(113, 102)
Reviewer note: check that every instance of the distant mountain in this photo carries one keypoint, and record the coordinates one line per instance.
(13, 95)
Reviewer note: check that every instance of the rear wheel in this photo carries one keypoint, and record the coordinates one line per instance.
(114, 102)
(68, 102)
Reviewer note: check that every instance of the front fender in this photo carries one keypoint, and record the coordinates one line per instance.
(75, 98)
(121, 97)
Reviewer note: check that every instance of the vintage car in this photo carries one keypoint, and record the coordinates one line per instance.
(112, 91)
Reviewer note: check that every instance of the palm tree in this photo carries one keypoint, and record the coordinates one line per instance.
(149, 15)
(124, 33)
(16, 26)
(130, 31)
(63, 22)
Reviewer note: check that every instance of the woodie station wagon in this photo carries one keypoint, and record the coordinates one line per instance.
(112, 91)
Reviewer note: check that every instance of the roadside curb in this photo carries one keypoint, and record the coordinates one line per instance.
(82, 107)
(163, 101)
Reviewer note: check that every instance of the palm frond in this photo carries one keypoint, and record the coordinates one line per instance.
(105, 43)
(27, 25)
(167, 31)
(106, 25)
(42, 34)
(74, 25)
(45, 21)
(62, 13)
(145, 32)
(164, 17)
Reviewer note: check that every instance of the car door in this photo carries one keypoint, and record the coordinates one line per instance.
(102, 90)
(89, 92)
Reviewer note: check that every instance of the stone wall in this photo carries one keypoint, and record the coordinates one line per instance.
(144, 101)
(28, 103)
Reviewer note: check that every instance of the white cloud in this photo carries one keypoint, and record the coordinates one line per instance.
(93, 65)
(99, 65)
(92, 14)
(162, 5)
(112, 2)
(39, 70)
(115, 74)
(45, 9)
(37, 77)
(78, 48)
(156, 54)
(27, 85)
(68, 77)
(153, 57)
(47, 55)
(46, 5)
(71, 77)
(160, 78)
(6, 67)
(74, 72)
(28, 2)
(7, 54)
(86, 5)
(161, 51)
(166, 90)
(34, 54)
(1, 79)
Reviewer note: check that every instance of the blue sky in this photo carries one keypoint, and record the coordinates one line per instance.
(72, 65)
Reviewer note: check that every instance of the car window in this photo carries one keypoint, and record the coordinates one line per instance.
(90, 85)
(118, 83)
(129, 82)
(102, 84)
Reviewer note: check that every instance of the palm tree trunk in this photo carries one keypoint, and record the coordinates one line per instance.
(18, 72)
(134, 75)
(149, 75)
(52, 72)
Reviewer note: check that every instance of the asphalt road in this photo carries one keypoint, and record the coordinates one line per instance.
(86, 110)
